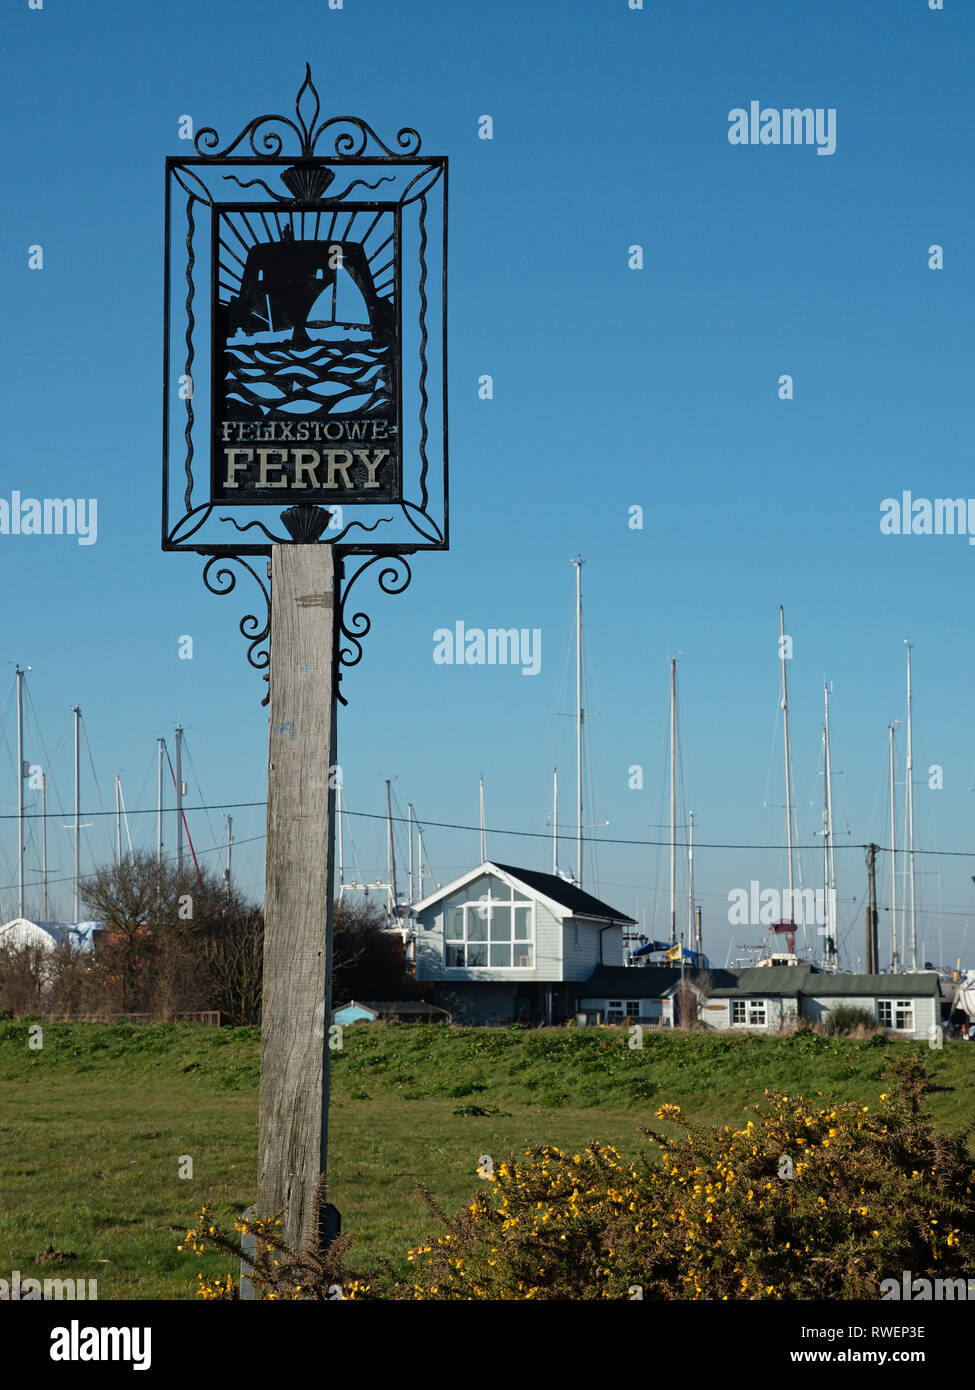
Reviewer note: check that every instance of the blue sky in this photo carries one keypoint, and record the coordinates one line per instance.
(613, 387)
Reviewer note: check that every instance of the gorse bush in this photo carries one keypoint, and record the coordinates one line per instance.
(805, 1201)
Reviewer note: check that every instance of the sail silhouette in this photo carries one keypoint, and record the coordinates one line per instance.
(288, 284)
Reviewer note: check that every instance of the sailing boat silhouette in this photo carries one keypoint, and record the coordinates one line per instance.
(289, 287)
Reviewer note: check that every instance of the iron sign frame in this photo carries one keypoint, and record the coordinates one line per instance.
(216, 181)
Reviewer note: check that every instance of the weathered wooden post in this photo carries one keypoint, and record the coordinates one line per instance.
(298, 893)
(308, 291)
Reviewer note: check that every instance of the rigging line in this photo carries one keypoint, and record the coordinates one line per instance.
(57, 758)
(206, 809)
(48, 767)
(555, 726)
(143, 790)
(125, 814)
(355, 852)
(94, 775)
(85, 878)
(186, 827)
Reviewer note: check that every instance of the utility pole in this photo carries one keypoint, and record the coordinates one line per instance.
(698, 943)
(179, 798)
(298, 904)
(871, 923)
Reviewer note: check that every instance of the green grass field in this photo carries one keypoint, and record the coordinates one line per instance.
(95, 1123)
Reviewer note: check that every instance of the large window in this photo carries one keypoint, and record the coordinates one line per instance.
(749, 1011)
(896, 1013)
(496, 931)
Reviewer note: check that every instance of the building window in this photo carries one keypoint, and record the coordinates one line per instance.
(897, 1014)
(751, 1012)
(618, 1009)
(497, 930)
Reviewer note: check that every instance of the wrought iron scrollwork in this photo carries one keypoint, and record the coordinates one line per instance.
(351, 629)
(257, 635)
(350, 141)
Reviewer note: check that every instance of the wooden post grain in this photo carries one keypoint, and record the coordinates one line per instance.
(298, 903)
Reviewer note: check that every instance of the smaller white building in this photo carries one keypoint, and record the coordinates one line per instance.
(764, 1000)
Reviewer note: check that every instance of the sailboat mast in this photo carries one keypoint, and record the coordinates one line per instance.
(690, 879)
(77, 807)
(338, 817)
(419, 855)
(673, 801)
(390, 850)
(555, 821)
(483, 835)
(179, 798)
(578, 562)
(409, 828)
(788, 759)
(910, 814)
(894, 961)
(118, 822)
(826, 829)
(20, 792)
(830, 862)
(44, 842)
(161, 745)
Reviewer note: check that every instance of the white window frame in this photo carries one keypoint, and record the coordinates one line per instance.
(896, 1010)
(750, 1013)
(481, 911)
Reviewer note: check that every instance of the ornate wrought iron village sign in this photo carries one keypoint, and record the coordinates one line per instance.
(305, 358)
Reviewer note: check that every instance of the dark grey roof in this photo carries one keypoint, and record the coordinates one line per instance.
(789, 981)
(641, 982)
(567, 895)
(784, 980)
(902, 985)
